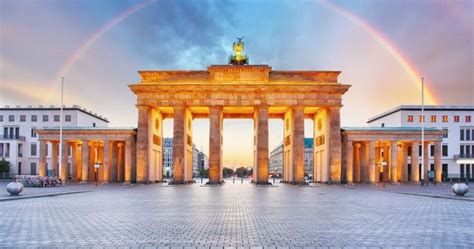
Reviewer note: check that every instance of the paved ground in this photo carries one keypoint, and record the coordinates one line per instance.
(237, 215)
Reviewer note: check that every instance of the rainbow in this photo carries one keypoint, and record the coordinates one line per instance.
(74, 57)
(378, 36)
(413, 72)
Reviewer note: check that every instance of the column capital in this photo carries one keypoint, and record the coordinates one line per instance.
(143, 107)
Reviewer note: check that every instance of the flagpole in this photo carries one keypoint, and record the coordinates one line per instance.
(425, 176)
(61, 134)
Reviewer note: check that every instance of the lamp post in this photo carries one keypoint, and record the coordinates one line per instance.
(96, 168)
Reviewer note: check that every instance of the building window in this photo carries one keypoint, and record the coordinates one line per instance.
(421, 118)
(445, 119)
(461, 135)
(419, 150)
(33, 149)
(433, 119)
(93, 124)
(45, 118)
(468, 135)
(410, 118)
(68, 118)
(468, 119)
(432, 150)
(34, 118)
(11, 118)
(33, 169)
(445, 135)
(456, 119)
(1, 118)
(22, 118)
(445, 150)
(56, 118)
(33, 132)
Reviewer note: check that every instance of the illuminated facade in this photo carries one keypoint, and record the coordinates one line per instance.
(239, 91)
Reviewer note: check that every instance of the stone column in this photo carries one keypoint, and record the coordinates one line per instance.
(403, 164)
(106, 164)
(372, 162)
(85, 161)
(357, 163)
(73, 161)
(114, 161)
(393, 161)
(261, 145)
(335, 143)
(437, 161)
(64, 161)
(54, 158)
(298, 145)
(179, 148)
(42, 160)
(120, 161)
(143, 143)
(128, 162)
(426, 162)
(77, 162)
(364, 162)
(92, 160)
(349, 162)
(215, 144)
(415, 176)
(386, 168)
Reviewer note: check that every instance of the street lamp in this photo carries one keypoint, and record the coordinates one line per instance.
(96, 168)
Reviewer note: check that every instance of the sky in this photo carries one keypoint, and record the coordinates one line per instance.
(383, 48)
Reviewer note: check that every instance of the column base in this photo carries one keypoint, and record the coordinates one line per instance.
(83, 182)
(180, 182)
(299, 183)
(262, 182)
(215, 183)
(127, 183)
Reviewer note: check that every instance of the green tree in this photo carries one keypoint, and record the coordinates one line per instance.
(241, 172)
(227, 172)
(203, 173)
(4, 167)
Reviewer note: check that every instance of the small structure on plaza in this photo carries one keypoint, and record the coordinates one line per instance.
(238, 58)
(460, 189)
(15, 188)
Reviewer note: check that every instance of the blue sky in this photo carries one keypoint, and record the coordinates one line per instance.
(38, 37)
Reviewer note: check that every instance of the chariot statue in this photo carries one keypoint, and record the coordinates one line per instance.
(238, 58)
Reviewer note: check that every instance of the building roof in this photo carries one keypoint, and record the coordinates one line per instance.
(88, 128)
(387, 129)
(426, 107)
(53, 108)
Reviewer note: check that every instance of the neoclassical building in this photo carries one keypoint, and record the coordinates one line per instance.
(238, 91)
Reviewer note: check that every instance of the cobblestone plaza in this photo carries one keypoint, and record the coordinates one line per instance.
(237, 215)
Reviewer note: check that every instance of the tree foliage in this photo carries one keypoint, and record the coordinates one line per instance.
(4, 166)
(227, 172)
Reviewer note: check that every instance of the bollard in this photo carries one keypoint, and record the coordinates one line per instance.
(233, 180)
(241, 180)
(201, 179)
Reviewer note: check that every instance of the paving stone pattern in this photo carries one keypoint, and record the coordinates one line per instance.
(236, 215)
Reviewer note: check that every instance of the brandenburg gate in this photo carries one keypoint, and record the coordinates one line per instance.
(238, 90)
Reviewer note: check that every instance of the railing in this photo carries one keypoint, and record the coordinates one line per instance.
(464, 158)
(7, 137)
